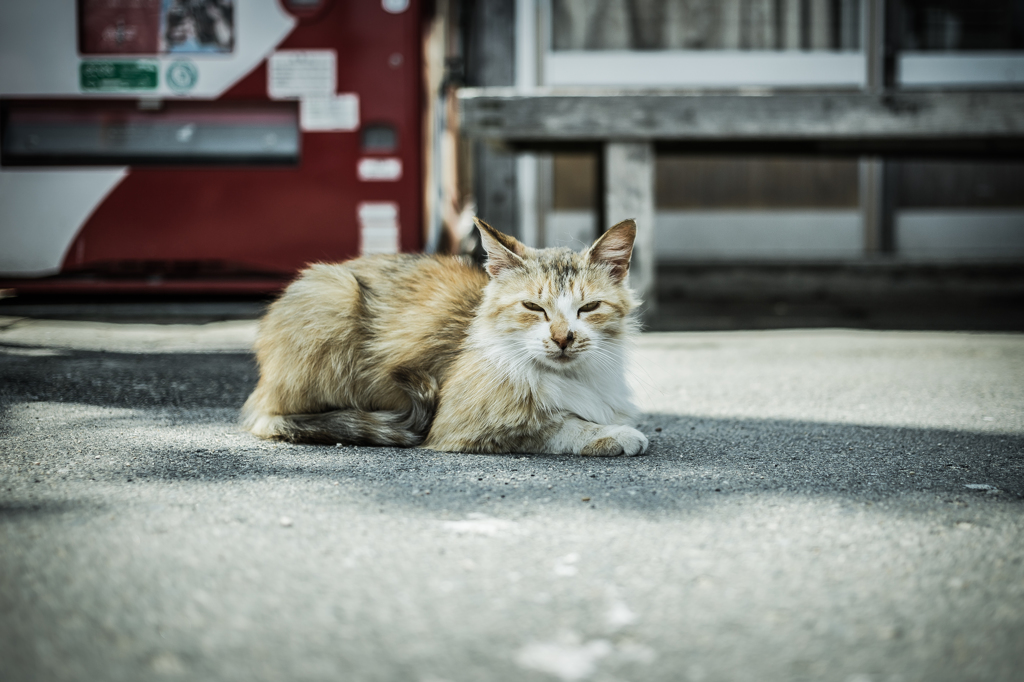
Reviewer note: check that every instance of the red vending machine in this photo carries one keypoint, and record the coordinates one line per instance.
(204, 145)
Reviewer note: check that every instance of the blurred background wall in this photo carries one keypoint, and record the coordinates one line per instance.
(774, 220)
(757, 207)
(181, 186)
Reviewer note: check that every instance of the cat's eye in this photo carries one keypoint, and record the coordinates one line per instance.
(590, 307)
(532, 306)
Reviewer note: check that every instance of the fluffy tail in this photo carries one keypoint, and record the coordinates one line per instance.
(359, 427)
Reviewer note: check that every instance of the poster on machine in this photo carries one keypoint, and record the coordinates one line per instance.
(151, 27)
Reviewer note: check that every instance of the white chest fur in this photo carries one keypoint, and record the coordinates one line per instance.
(601, 395)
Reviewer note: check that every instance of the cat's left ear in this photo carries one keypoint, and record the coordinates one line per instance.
(615, 247)
(503, 252)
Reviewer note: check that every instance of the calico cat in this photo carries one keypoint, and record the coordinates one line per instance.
(526, 355)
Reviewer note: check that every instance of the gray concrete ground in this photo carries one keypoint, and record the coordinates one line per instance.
(817, 505)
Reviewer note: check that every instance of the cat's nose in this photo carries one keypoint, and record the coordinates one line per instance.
(564, 341)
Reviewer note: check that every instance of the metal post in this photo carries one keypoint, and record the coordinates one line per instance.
(876, 48)
(878, 178)
(877, 174)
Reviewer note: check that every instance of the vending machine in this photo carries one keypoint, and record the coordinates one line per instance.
(205, 145)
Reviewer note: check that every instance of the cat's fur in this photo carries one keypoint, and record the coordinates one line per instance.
(433, 351)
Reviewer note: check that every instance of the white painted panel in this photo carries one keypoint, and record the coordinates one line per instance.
(39, 50)
(699, 68)
(940, 235)
(960, 234)
(41, 212)
(980, 69)
(574, 229)
(710, 235)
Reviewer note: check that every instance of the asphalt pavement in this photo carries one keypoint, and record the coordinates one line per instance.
(815, 505)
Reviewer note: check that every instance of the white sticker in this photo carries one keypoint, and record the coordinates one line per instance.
(329, 113)
(301, 73)
(378, 210)
(378, 227)
(371, 170)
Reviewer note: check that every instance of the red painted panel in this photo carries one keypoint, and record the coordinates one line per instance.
(275, 220)
(117, 27)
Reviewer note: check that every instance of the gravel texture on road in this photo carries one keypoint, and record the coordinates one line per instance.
(815, 505)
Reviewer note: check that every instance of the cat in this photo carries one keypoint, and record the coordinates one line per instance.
(525, 355)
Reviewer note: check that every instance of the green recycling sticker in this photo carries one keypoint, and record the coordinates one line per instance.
(118, 75)
(181, 76)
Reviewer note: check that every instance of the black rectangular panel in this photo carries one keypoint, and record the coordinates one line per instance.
(48, 133)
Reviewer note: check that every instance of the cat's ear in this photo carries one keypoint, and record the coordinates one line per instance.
(503, 252)
(614, 248)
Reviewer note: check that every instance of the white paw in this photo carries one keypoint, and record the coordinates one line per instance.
(616, 440)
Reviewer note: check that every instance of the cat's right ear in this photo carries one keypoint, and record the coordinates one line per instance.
(503, 252)
(615, 248)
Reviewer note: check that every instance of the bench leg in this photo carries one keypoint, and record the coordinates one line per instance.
(629, 193)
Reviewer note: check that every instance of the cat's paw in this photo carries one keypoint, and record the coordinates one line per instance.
(616, 440)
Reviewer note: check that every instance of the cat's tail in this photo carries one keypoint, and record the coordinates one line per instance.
(352, 426)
